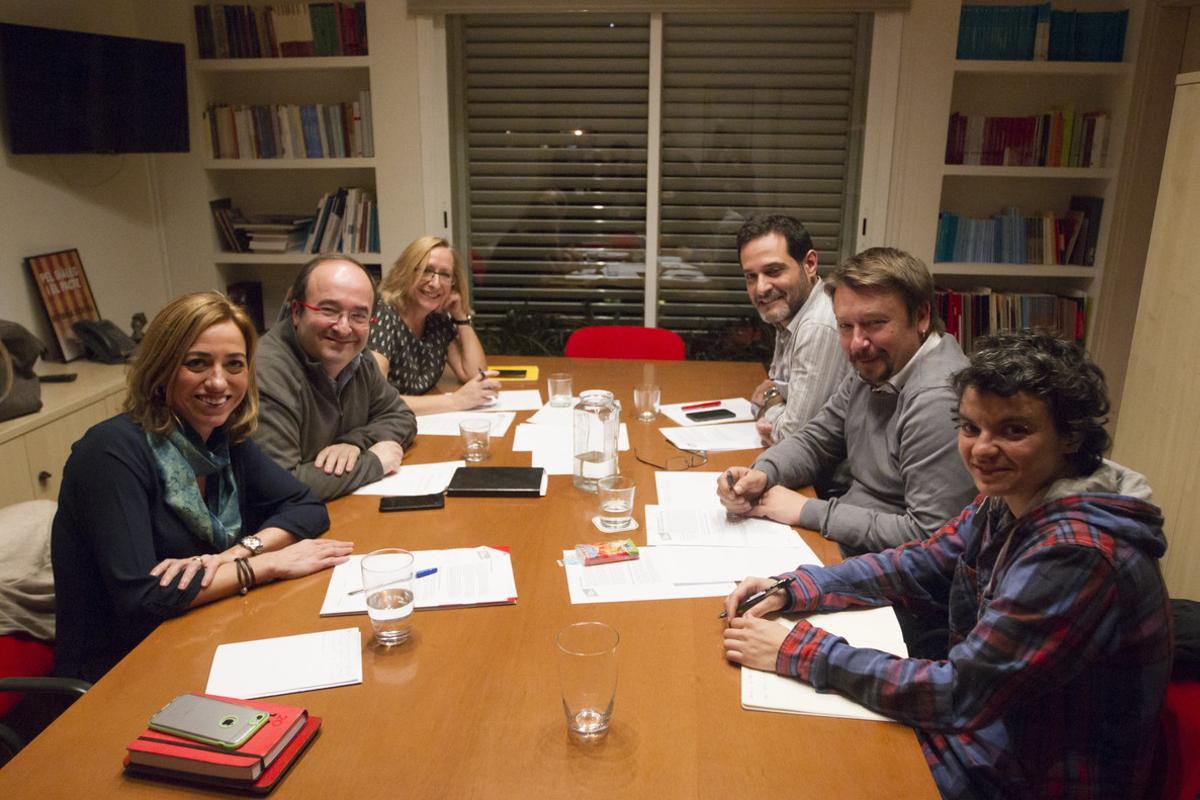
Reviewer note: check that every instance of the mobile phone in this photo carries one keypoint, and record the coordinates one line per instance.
(511, 373)
(412, 502)
(205, 719)
(712, 413)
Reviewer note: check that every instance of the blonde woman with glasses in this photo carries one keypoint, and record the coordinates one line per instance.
(424, 324)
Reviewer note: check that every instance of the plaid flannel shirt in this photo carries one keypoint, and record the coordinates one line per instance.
(1060, 653)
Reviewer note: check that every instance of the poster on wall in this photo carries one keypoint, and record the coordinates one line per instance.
(66, 294)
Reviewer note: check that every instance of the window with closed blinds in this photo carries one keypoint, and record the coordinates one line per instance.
(753, 113)
(555, 124)
(757, 116)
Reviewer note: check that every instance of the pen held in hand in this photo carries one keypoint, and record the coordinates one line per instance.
(756, 598)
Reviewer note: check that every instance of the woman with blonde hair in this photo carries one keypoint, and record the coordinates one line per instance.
(424, 323)
(170, 505)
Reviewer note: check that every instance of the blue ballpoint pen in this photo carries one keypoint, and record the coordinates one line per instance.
(425, 573)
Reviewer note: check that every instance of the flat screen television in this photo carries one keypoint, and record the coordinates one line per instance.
(68, 92)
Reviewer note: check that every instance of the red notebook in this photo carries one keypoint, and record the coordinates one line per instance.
(265, 782)
(247, 763)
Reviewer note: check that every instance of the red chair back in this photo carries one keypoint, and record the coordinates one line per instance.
(625, 341)
(22, 657)
(1181, 728)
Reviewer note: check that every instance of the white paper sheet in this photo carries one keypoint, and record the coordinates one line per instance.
(689, 488)
(414, 479)
(712, 527)
(715, 564)
(466, 576)
(515, 400)
(447, 424)
(553, 446)
(554, 415)
(740, 407)
(716, 438)
(287, 664)
(643, 579)
(868, 627)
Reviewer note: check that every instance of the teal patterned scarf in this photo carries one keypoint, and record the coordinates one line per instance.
(181, 458)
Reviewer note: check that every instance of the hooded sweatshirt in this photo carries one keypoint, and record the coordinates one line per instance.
(1059, 632)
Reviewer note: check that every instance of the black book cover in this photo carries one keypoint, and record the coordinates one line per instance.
(496, 482)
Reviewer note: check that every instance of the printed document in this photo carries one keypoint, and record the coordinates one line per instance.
(466, 576)
(716, 438)
(646, 578)
(287, 664)
(876, 628)
(447, 424)
(517, 400)
(688, 488)
(740, 406)
(414, 479)
(553, 446)
(705, 525)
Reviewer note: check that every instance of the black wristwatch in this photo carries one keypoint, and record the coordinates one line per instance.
(466, 321)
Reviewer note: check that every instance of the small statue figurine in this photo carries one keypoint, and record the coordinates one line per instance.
(138, 324)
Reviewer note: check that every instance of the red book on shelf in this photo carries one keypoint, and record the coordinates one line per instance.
(247, 763)
(264, 784)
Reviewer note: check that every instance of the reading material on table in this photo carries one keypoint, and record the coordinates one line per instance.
(705, 525)
(553, 446)
(414, 479)
(678, 412)
(446, 424)
(690, 488)
(466, 576)
(716, 438)
(867, 627)
(624, 581)
(286, 664)
(517, 400)
(715, 564)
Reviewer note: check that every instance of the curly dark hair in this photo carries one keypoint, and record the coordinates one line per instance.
(798, 239)
(1057, 372)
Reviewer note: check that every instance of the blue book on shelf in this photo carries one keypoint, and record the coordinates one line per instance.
(312, 131)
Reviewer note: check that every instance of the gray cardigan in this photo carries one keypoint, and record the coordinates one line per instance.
(907, 477)
(301, 413)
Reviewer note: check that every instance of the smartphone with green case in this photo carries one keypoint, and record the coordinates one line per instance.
(205, 719)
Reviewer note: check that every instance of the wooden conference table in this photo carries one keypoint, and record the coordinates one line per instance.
(469, 707)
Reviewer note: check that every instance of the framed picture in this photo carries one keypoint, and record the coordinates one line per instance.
(66, 295)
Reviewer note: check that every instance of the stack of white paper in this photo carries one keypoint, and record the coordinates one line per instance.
(414, 479)
(466, 576)
(553, 446)
(287, 664)
(447, 424)
(876, 628)
(739, 406)
(690, 488)
(716, 438)
(712, 527)
(517, 400)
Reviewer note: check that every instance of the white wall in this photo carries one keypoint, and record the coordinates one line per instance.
(100, 205)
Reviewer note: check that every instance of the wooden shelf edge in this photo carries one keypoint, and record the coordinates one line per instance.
(988, 270)
(1043, 173)
(281, 64)
(288, 163)
(1114, 68)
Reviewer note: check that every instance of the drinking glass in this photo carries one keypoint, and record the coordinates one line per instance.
(616, 501)
(645, 400)
(388, 584)
(476, 437)
(558, 386)
(587, 674)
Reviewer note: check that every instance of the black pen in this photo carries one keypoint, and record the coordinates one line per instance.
(756, 598)
(729, 479)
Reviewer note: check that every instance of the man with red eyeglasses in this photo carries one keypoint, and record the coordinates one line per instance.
(327, 415)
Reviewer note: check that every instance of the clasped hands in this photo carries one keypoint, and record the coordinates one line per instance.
(750, 497)
(341, 457)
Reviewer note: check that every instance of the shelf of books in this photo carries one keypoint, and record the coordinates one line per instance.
(287, 138)
(1039, 100)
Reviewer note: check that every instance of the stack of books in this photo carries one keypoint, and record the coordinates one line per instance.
(341, 130)
(257, 766)
(1009, 237)
(289, 30)
(347, 221)
(275, 233)
(1057, 138)
(970, 315)
(1037, 33)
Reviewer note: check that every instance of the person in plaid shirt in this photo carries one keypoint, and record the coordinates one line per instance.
(1060, 639)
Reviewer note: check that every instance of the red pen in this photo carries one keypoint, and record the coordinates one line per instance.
(694, 406)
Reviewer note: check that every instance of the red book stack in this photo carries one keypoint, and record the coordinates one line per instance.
(257, 766)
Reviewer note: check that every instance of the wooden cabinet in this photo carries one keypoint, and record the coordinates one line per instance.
(34, 448)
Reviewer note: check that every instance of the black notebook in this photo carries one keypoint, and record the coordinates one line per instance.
(497, 482)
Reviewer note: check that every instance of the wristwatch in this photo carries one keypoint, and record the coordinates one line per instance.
(253, 544)
(771, 397)
(466, 321)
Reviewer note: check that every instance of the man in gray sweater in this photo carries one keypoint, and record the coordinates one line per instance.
(327, 415)
(892, 421)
